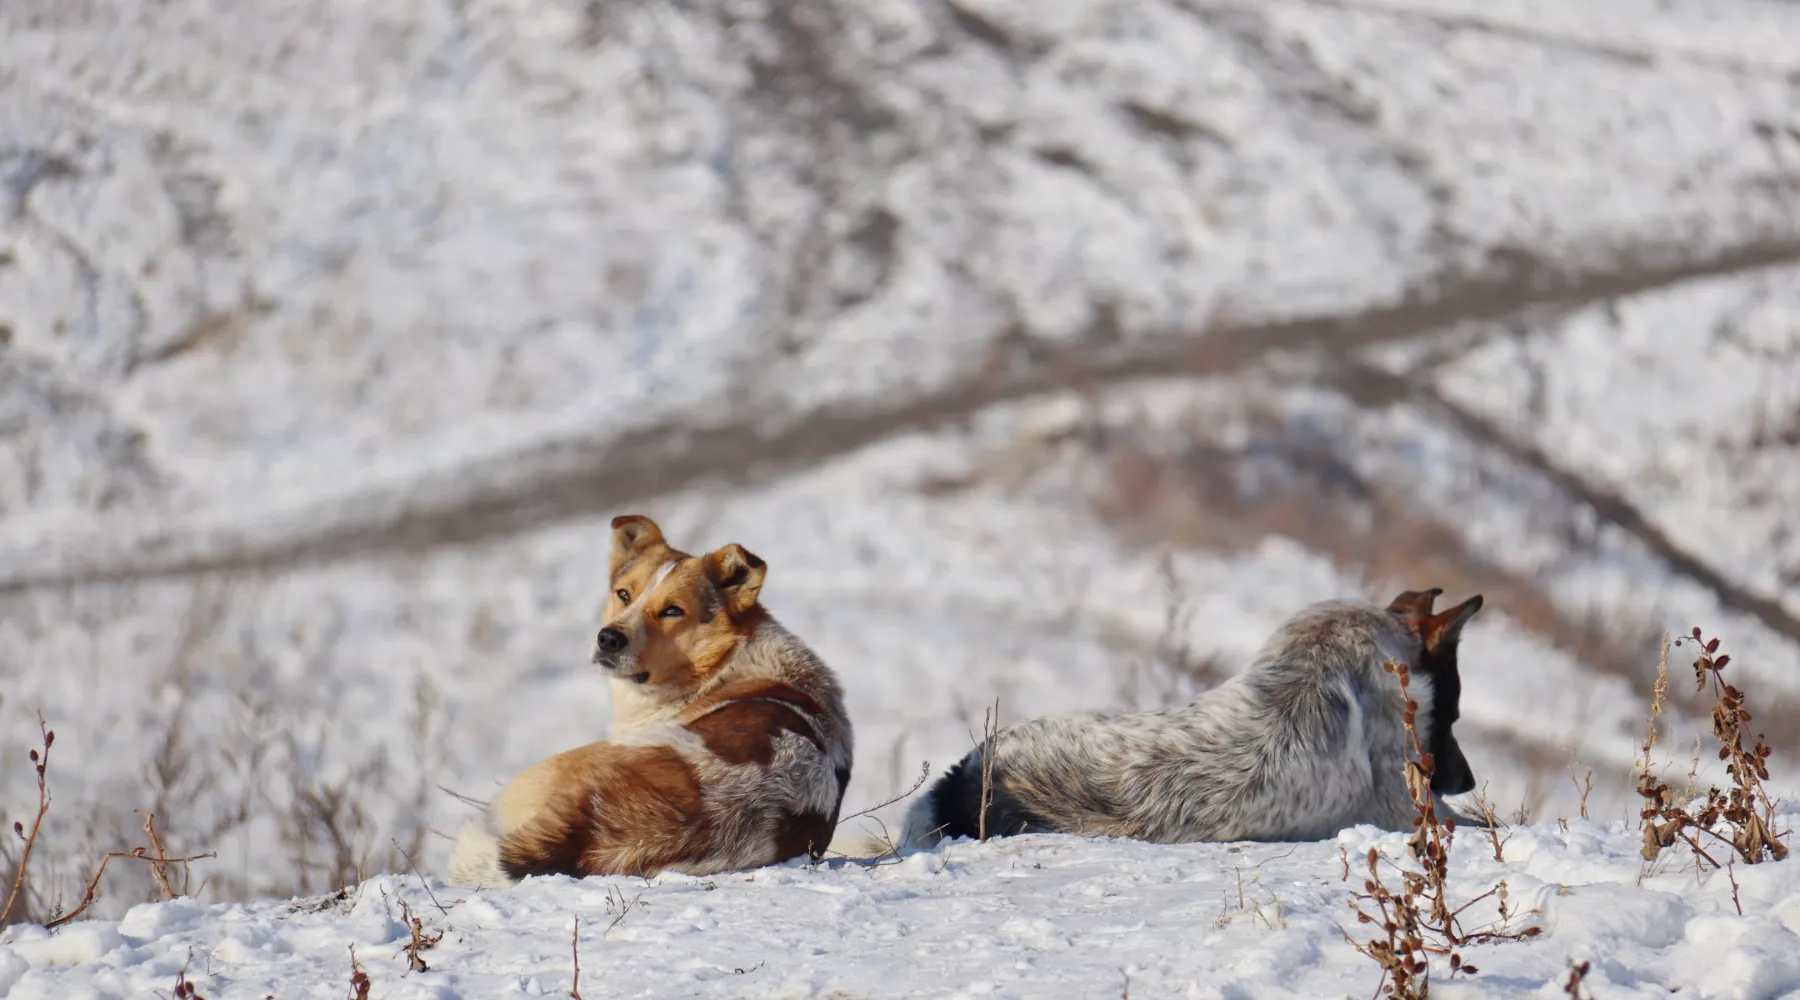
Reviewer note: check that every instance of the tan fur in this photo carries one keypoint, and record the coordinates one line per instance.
(602, 808)
(1413, 605)
(730, 745)
(1433, 631)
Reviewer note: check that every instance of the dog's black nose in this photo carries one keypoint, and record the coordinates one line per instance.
(610, 640)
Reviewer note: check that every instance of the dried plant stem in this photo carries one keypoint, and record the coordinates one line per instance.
(924, 776)
(990, 736)
(1583, 788)
(1417, 922)
(414, 865)
(421, 940)
(1744, 808)
(40, 761)
(1657, 693)
(1493, 825)
(359, 980)
(465, 799)
(185, 990)
(1577, 974)
(160, 863)
(575, 950)
(625, 906)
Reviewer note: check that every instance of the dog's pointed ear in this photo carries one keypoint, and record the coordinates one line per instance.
(1415, 603)
(738, 574)
(633, 535)
(1445, 628)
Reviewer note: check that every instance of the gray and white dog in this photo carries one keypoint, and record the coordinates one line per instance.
(1308, 740)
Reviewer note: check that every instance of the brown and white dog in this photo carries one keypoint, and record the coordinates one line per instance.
(730, 747)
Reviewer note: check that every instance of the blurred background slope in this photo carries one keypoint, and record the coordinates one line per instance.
(1049, 352)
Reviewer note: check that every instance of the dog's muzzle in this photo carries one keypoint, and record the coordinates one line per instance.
(609, 650)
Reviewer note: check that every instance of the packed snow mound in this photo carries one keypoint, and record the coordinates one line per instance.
(1034, 916)
(388, 310)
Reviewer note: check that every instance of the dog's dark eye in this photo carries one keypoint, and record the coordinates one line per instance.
(623, 595)
(672, 612)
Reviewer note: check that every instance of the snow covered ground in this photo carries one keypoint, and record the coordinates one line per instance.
(1037, 916)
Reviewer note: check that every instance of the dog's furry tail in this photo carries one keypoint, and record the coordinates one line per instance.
(954, 804)
(922, 830)
(948, 808)
(475, 860)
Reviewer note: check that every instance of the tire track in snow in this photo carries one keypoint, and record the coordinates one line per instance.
(584, 474)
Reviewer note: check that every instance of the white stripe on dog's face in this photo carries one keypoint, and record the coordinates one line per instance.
(662, 573)
(631, 617)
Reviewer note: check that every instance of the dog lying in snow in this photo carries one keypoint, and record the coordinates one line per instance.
(730, 747)
(1308, 740)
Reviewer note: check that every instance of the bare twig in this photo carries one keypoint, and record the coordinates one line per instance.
(1493, 824)
(161, 863)
(359, 980)
(1584, 787)
(990, 735)
(40, 761)
(1245, 904)
(185, 990)
(575, 950)
(421, 939)
(617, 898)
(1658, 692)
(1577, 974)
(1692, 788)
(924, 776)
(466, 799)
(158, 862)
(414, 865)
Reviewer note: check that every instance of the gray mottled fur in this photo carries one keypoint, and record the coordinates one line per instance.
(1305, 742)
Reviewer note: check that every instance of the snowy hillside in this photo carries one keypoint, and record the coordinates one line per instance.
(1048, 353)
(1038, 916)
